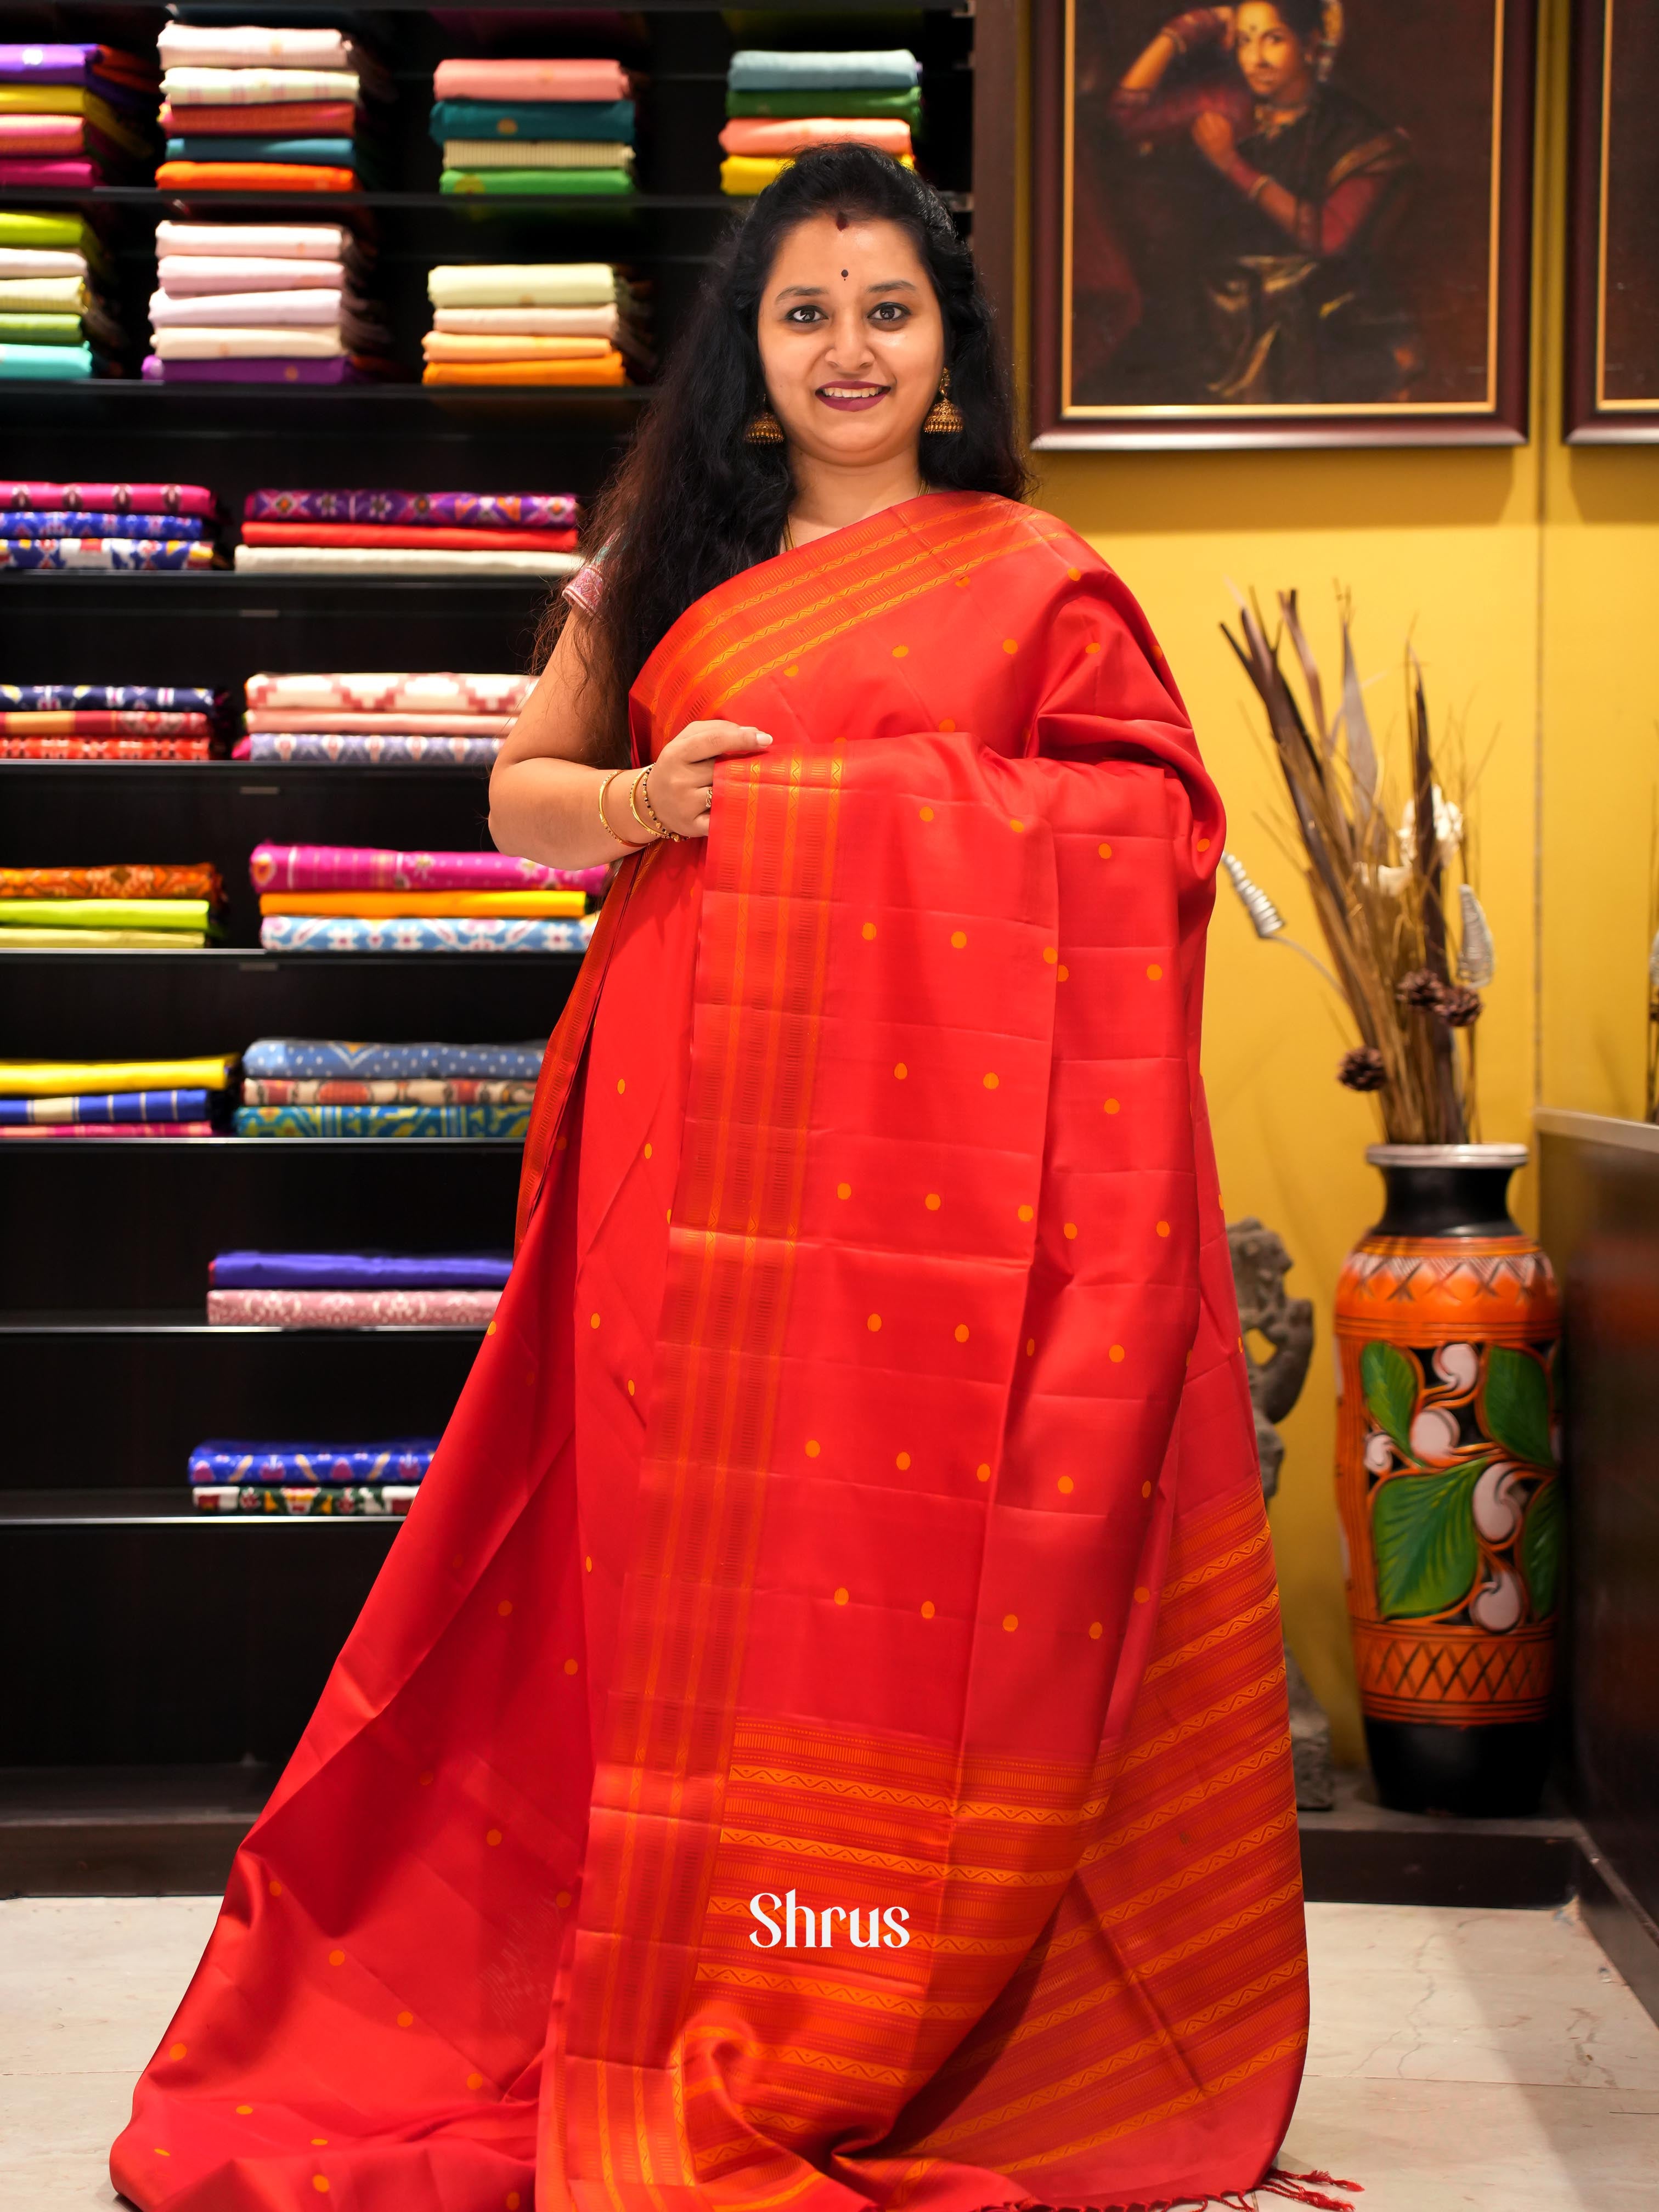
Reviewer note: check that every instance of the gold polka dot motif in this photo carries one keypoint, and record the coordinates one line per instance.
(900, 1071)
(927, 813)
(901, 653)
(946, 725)
(337, 1958)
(1066, 1485)
(991, 1082)
(474, 2081)
(1154, 973)
(1163, 1228)
(320, 2183)
(844, 1190)
(572, 1666)
(563, 1899)
(405, 2020)
(505, 1607)
(492, 1836)
(1095, 1630)
(621, 1083)
(841, 1597)
(1011, 1622)
(1115, 1355)
(1143, 1595)
(958, 938)
(813, 1448)
(903, 1462)
(932, 1201)
(874, 1323)
(927, 1609)
(983, 1472)
(1027, 1212)
(962, 1332)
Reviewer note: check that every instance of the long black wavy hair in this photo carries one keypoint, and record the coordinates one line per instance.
(692, 502)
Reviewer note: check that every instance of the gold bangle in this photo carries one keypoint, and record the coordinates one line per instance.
(605, 788)
(640, 776)
(661, 828)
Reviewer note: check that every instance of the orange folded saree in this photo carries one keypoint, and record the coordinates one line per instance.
(819, 1739)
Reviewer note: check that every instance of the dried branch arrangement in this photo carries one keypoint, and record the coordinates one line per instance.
(1408, 959)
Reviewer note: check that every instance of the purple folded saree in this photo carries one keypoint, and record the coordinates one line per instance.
(74, 63)
(338, 368)
(358, 1271)
(480, 510)
(222, 1459)
(60, 698)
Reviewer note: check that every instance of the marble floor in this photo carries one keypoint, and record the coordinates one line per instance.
(1459, 2059)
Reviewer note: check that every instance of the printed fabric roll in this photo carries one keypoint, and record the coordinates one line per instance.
(184, 698)
(456, 1090)
(508, 119)
(140, 880)
(370, 868)
(323, 750)
(434, 536)
(107, 1106)
(309, 933)
(527, 284)
(112, 498)
(404, 561)
(542, 905)
(60, 1078)
(114, 553)
(399, 1121)
(758, 69)
(330, 1059)
(372, 1500)
(359, 1271)
(403, 1459)
(100, 722)
(105, 749)
(379, 692)
(170, 528)
(384, 1309)
(467, 510)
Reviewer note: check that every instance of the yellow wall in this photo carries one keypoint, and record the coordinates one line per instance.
(1529, 580)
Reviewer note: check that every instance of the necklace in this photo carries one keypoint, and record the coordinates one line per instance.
(788, 545)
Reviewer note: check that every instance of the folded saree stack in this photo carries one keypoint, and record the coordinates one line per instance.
(264, 303)
(550, 322)
(108, 721)
(105, 526)
(56, 322)
(329, 1087)
(394, 720)
(113, 1098)
(355, 1290)
(254, 108)
(334, 898)
(229, 1476)
(533, 129)
(76, 115)
(779, 104)
(101, 909)
(411, 533)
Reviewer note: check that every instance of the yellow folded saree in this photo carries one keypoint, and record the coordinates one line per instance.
(68, 1079)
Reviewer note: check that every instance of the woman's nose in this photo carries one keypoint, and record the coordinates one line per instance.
(849, 341)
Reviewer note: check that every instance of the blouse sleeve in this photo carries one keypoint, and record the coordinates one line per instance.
(585, 587)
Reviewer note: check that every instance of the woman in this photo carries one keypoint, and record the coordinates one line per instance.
(1296, 189)
(821, 1737)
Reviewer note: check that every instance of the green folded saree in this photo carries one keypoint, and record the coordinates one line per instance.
(906, 106)
(536, 184)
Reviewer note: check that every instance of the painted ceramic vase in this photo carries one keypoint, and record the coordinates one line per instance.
(1448, 1493)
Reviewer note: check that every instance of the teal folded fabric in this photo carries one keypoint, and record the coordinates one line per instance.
(512, 1122)
(533, 118)
(759, 69)
(62, 364)
(320, 153)
(535, 184)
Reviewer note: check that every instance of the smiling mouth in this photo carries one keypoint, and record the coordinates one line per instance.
(852, 399)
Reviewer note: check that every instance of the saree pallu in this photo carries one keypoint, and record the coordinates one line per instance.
(855, 1497)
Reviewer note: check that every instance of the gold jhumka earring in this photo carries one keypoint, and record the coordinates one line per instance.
(944, 416)
(764, 429)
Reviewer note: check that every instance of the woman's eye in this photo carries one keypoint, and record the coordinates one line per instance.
(806, 313)
(890, 311)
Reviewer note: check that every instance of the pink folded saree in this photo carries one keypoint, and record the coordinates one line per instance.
(189, 276)
(530, 81)
(287, 242)
(281, 1308)
(377, 694)
(107, 498)
(778, 141)
(371, 868)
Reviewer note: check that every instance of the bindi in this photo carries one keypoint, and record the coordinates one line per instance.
(843, 274)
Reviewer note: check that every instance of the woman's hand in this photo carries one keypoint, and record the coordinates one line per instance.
(1213, 135)
(681, 784)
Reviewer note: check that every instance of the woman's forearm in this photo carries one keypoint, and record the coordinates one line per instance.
(548, 810)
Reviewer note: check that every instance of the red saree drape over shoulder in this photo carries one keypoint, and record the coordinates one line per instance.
(855, 1497)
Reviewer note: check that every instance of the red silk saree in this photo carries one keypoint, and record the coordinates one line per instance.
(852, 1507)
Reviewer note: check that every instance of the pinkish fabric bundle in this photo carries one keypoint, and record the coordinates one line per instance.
(276, 1308)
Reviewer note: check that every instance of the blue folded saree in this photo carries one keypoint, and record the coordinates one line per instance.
(321, 152)
(358, 1271)
(55, 364)
(105, 1107)
(759, 69)
(533, 118)
(315, 1059)
(226, 1459)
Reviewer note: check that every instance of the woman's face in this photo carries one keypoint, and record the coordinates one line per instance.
(1276, 65)
(851, 342)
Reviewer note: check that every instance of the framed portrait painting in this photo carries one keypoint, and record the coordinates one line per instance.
(1281, 223)
(1612, 226)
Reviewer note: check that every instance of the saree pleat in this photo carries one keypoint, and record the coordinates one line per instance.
(853, 1506)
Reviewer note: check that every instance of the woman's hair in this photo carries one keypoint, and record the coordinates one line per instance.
(1305, 17)
(692, 502)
